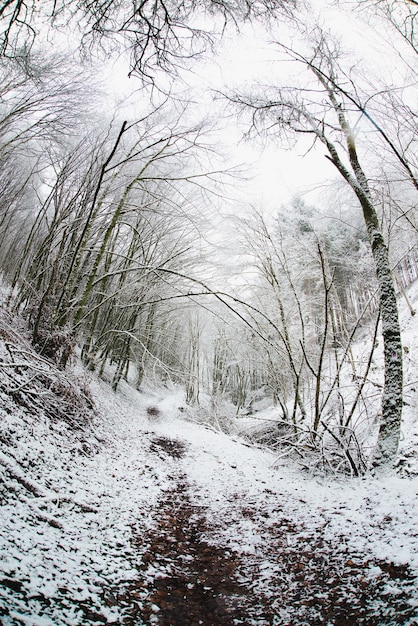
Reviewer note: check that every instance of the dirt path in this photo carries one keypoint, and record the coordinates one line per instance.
(196, 581)
(187, 578)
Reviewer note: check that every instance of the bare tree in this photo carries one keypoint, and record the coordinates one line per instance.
(159, 34)
(39, 116)
(400, 14)
(324, 111)
(40, 99)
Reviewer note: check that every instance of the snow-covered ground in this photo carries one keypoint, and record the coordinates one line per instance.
(107, 523)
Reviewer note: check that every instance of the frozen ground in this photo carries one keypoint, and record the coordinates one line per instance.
(140, 516)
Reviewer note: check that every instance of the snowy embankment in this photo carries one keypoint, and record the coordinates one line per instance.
(74, 486)
(107, 522)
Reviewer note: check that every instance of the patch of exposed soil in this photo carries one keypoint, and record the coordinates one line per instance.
(186, 580)
(298, 577)
(295, 577)
(171, 447)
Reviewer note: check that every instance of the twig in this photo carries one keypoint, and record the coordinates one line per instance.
(344, 449)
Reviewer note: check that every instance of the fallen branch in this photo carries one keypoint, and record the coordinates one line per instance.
(18, 475)
(44, 517)
(38, 491)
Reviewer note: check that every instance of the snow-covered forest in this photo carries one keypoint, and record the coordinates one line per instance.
(209, 263)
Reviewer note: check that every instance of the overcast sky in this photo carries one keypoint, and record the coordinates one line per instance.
(248, 57)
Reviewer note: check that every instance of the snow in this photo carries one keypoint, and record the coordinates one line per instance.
(70, 553)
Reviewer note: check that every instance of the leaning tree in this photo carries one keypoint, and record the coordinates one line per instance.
(333, 105)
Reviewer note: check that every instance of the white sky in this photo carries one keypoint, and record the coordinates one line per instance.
(278, 173)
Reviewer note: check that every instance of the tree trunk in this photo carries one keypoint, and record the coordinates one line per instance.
(390, 425)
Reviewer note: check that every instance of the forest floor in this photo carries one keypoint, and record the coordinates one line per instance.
(130, 513)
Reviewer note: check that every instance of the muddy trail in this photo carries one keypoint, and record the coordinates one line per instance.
(196, 582)
(188, 577)
(185, 579)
